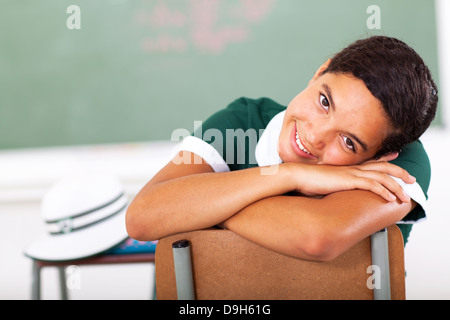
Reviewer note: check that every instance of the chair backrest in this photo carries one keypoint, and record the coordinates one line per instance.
(226, 266)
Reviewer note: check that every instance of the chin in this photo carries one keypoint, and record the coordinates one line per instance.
(291, 158)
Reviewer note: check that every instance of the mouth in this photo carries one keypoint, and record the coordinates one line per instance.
(298, 147)
(300, 144)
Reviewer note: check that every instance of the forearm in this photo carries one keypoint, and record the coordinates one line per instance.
(316, 229)
(278, 223)
(185, 197)
(198, 201)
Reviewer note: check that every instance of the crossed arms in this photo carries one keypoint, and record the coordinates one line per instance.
(334, 207)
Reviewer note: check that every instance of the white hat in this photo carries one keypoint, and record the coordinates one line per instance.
(84, 215)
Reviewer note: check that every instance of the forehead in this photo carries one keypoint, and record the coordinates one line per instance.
(356, 110)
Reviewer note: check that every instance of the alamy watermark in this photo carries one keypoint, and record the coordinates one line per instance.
(373, 281)
(73, 277)
(73, 22)
(235, 146)
(374, 20)
(235, 139)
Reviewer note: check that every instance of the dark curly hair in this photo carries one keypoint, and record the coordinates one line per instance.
(397, 76)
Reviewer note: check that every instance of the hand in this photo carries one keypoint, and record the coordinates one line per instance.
(375, 176)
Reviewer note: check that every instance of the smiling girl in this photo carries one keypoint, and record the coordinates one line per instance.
(341, 162)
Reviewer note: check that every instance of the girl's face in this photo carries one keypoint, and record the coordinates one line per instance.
(335, 120)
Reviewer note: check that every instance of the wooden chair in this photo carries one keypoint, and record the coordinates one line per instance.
(218, 264)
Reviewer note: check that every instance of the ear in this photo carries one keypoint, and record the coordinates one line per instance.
(388, 157)
(319, 71)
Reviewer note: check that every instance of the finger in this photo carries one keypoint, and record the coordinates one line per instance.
(396, 189)
(385, 186)
(377, 188)
(390, 169)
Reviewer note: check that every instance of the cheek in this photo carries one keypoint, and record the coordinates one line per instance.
(334, 155)
(301, 105)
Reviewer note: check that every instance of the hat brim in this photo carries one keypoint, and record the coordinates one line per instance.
(80, 244)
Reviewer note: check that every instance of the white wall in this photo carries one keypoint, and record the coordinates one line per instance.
(26, 174)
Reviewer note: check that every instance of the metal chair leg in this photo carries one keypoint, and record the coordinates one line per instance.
(183, 270)
(380, 258)
(62, 283)
(154, 286)
(35, 281)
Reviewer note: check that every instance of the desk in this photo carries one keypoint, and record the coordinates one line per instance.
(97, 260)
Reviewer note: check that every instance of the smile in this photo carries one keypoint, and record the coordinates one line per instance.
(298, 147)
(300, 144)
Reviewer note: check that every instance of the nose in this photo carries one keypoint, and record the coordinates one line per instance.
(316, 134)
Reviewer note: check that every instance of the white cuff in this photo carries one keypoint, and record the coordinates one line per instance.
(416, 193)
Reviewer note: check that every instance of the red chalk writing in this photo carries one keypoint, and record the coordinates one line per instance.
(207, 26)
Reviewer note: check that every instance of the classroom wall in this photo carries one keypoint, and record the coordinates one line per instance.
(137, 70)
(27, 173)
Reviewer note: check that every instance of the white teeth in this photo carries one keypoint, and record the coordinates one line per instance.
(300, 145)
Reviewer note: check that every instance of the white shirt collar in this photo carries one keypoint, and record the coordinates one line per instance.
(266, 151)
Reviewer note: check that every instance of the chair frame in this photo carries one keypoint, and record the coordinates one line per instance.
(379, 245)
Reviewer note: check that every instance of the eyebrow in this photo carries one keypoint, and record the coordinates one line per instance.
(333, 107)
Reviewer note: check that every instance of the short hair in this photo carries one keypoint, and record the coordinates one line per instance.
(398, 77)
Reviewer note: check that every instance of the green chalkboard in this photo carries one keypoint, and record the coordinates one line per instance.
(133, 70)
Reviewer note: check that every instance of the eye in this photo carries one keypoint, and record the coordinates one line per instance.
(324, 102)
(349, 143)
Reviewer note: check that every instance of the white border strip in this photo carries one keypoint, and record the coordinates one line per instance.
(442, 8)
